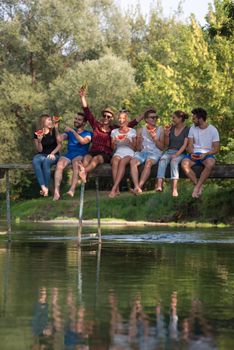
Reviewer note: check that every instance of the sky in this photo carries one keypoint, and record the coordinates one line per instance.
(198, 7)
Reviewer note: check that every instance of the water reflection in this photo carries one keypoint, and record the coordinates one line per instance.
(123, 297)
(128, 329)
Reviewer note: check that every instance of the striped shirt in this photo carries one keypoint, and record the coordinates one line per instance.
(101, 141)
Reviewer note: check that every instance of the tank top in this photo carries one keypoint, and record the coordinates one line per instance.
(148, 144)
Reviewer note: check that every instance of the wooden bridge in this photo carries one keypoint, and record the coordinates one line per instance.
(221, 171)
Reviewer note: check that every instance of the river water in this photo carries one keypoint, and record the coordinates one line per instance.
(143, 288)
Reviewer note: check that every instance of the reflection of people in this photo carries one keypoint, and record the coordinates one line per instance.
(203, 144)
(42, 329)
(119, 338)
(196, 332)
(173, 325)
(150, 143)
(77, 330)
(78, 146)
(139, 326)
(48, 152)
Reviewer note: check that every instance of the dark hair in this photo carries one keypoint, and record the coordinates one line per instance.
(200, 113)
(82, 115)
(181, 114)
(146, 114)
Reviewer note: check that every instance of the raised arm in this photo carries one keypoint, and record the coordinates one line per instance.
(89, 115)
(135, 121)
(59, 137)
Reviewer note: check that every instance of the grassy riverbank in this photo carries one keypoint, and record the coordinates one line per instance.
(214, 207)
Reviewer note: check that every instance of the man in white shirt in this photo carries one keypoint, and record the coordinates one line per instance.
(203, 144)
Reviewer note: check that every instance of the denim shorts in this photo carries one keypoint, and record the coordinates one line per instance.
(199, 161)
(144, 155)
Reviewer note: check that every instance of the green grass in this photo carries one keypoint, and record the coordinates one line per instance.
(214, 207)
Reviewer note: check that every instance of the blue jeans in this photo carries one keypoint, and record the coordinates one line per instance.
(42, 168)
(174, 164)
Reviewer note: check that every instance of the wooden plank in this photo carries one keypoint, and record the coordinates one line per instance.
(221, 171)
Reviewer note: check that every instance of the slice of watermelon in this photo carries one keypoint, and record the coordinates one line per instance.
(196, 156)
(39, 132)
(121, 137)
(56, 119)
(150, 127)
(167, 126)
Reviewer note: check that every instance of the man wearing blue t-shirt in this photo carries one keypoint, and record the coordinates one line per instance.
(77, 147)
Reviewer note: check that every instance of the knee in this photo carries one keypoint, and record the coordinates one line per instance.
(115, 162)
(133, 162)
(185, 165)
(148, 164)
(35, 160)
(46, 163)
(209, 166)
(59, 167)
(174, 162)
(162, 161)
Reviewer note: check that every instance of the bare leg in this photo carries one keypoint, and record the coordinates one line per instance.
(208, 167)
(75, 174)
(120, 173)
(186, 166)
(134, 163)
(61, 165)
(86, 160)
(146, 172)
(94, 163)
(174, 188)
(159, 185)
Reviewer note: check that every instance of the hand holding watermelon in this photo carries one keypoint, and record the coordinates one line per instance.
(40, 134)
(56, 119)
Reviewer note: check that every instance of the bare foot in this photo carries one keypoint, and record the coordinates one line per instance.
(112, 194)
(175, 193)
(199, 193)
(70, 193)
(137, 191)
(195, 192)
(158, 189)
(44, 192)
(56, 196)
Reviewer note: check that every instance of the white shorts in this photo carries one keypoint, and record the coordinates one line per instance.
(123, 152)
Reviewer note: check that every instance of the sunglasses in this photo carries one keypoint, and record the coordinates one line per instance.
(107, 116)
(153, 117)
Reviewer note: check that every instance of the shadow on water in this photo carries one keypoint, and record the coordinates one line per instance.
(143, 290)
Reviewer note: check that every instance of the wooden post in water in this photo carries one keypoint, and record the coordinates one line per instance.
(82, 189)
(79, 274)
(8, 205)
(98, 210)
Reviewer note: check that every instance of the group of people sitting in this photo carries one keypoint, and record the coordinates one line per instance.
(121, 145)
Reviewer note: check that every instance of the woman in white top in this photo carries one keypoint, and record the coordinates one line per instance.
(150, 143)
(123, 144)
